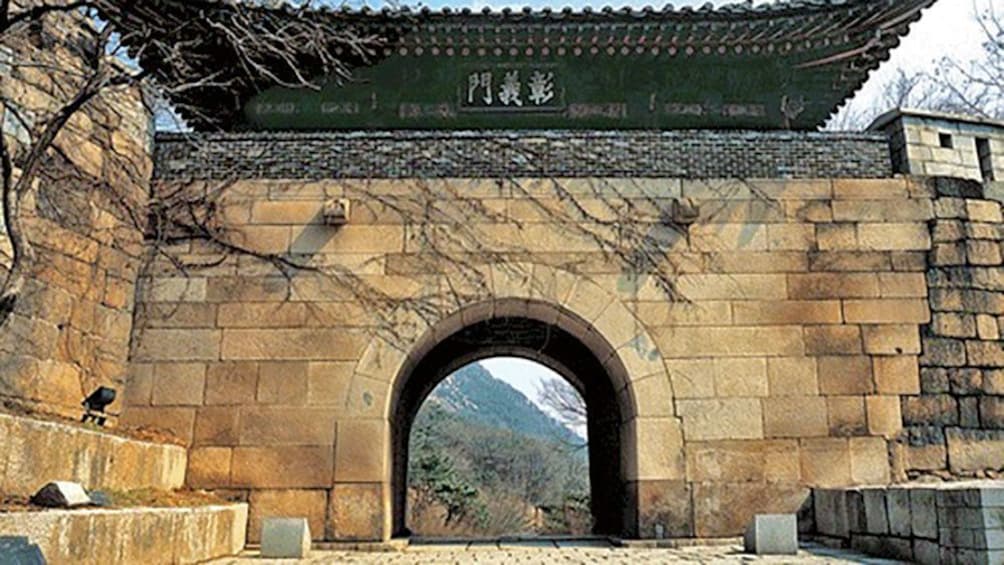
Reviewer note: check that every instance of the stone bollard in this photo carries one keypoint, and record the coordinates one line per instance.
(772, 534)
(284, 538)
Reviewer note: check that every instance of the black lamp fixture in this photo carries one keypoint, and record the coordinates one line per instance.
(95, 404)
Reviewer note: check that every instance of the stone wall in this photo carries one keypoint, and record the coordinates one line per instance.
(70, 330)
(956, 424)
(784, 370)
(452, 154)
(930, 524)
(34, 452)
(175, 536)
(935, 144)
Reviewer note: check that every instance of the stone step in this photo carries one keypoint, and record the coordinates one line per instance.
(35, 452)
(134, 535)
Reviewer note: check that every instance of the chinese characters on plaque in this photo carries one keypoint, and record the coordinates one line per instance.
(510, 89)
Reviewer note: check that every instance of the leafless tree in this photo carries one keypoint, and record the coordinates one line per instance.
(973, 87)
(115, 50)
(564, 401)
(977, 87)
(82, 51)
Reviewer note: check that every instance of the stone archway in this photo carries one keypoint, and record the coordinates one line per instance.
(583, 332)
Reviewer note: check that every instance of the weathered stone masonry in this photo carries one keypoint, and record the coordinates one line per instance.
(787, 370)
(70, 330)
(955, 425)
(474, 154)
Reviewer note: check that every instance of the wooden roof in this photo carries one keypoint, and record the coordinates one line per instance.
(801, 45)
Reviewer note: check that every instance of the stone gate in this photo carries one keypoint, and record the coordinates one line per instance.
(746, 306)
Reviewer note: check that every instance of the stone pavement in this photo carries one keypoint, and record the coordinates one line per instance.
(565, 553)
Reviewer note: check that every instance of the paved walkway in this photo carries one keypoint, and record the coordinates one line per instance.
(561, 553)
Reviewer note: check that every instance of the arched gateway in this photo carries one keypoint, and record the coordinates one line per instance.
(589, 337)
(513, 142)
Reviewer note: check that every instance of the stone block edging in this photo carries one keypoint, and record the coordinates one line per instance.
(34, 452)
(132, 535)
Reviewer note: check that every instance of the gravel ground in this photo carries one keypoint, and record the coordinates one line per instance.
(554, 553)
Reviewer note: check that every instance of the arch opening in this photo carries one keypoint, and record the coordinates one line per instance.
(558, 340)
(489, 457)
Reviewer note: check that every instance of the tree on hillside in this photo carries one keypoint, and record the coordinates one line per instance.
(486, 480)
(433, 478)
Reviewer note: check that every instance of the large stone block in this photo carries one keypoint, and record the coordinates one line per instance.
(833, 340)
(217, 425)
(992, 412)
(329, 383)
(178, 345)
(795, 417)
(701, 287)
(361, 451)
(830, 508)
(896, 375)
(740, 377)
(262, 315)
(292, 344)
(826, 462)
(869, 461)
(787, 312)
(754, 461)
(792, 376)
(984, 211)
(231, 383)
(845, 375)
(887, 311)
(985, 353)
(894, 237)
(733, 418)
(309, 504)
(849, 261)
(688, 342)
(724, 509)
(943, 353)
(884, 416)
(248, 289)
(898, 505)
(876, 513)
(846, 415)
(178, 422)
(882, 210)
(658, 449)
(975, 450)
(832, 285)
(923, 513)
(871, 189)
(178, 384)
(357, 512)
(209, 467)
(282, 467)
(902, 285)
(287, 426)
(892, 339)
(930, 409)
(133, 535)
(664, 506)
